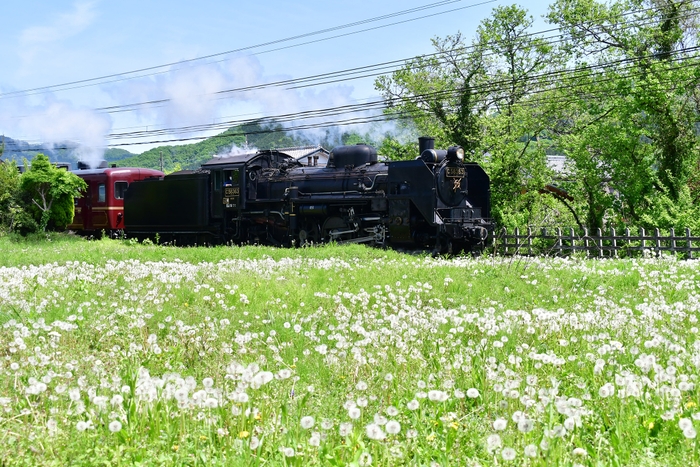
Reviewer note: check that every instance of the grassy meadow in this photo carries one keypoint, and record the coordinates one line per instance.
(115, 353)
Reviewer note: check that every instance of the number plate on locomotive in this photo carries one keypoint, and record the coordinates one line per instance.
(231, 191)
(455, 172)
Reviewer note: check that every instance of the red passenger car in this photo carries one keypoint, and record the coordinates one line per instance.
(102, 205)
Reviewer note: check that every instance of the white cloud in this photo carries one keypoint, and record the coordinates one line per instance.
(36, 38)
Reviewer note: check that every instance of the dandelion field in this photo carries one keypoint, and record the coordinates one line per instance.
(120, 354)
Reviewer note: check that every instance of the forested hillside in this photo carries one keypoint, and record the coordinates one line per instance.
(18, 150)
(191, 156)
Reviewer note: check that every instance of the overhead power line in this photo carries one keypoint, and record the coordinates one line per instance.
(126, 74)
(492, 87)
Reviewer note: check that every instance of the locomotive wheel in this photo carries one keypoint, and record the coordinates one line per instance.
(309, 234)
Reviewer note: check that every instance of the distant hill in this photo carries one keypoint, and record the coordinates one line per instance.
(191, 156)
(187, 156)
(18, 150)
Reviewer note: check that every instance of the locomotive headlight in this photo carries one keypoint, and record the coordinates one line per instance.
(455, 153)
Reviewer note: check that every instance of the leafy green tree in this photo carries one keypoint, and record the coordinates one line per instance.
(629, 112)
(480, 97)
(50, 192)
(13, 217)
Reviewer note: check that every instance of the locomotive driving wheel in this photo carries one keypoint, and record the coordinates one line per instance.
(309, 233)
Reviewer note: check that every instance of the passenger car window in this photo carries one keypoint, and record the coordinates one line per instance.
(120, 189)
(101, 193)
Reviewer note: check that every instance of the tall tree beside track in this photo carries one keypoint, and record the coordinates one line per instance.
(629, 119)
(49, 192)
(480, 96)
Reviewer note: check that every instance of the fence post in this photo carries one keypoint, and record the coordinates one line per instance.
(529, 241)
(627, 238)
(614, 241)
(688, 243)
(642, 234)
(572, 239)
(658, 242)
(517, 241)
(600, 243)
(673, 239)
(585, 241)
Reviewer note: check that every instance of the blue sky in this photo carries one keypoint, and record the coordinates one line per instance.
(48, 43)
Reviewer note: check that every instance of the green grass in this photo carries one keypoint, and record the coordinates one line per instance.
(165, 340)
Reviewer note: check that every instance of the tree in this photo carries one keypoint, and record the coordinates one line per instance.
(13, 217)
(480, 97)
(630, 107)
(50, 192)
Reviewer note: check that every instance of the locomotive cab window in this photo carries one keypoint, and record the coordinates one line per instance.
(231, 177)
(120, 189)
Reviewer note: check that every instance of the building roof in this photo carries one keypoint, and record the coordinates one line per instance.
(302, 152)
(557, 163)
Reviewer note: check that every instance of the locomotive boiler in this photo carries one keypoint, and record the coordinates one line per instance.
(436, 202)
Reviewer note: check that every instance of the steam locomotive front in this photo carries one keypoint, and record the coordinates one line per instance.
(439, 201)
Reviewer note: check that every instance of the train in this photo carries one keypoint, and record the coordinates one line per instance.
(101, 206)
(436, 202)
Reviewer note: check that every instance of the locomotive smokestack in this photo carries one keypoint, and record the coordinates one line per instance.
(425, 142)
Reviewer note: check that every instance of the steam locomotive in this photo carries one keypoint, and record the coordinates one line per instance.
(436, 202)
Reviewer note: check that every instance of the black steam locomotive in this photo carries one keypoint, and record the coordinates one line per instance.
(436, 202)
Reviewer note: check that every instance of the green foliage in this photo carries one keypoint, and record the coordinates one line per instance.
(13, 216)
(618, 96)
(50, 192)
(629, 129)
(478, 97)
(665, 212)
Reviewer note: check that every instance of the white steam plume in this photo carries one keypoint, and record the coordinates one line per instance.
(55, 123)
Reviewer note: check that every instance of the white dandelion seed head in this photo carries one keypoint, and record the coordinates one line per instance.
(115, 426)
(375, 432)
(685, 423)
(493, 442)
(525, 425)
(345, 429)
(472, 393)
(380, 419)
(508, 454)
(530, 450)
(315, 440)
(254, 443)
(393, 427)
(307, 422)
(500, 424)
